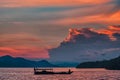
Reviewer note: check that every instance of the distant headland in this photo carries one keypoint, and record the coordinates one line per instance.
(113, 64)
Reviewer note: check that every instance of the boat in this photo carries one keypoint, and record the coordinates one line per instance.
(46, 71)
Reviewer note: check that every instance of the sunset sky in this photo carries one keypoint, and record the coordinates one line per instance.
(29, 28)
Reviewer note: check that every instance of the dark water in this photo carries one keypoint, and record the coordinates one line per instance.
(79, 74)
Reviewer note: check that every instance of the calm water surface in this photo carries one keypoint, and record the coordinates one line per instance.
(79, 74)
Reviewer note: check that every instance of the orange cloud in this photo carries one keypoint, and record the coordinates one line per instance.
(115, 28)
(31, 3)
(97, 18)
(25, 52)
(111, 30)
(19, 39)
(87, 11)
(90, 32)
(23, 45)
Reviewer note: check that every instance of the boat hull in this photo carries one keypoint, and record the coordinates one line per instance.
(47, 73)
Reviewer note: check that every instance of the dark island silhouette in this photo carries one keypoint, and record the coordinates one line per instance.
(9, 61)
(113, 64)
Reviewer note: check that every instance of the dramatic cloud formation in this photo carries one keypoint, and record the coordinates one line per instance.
(34, 26)
(87, 44)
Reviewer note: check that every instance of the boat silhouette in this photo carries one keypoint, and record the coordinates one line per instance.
(38, 71)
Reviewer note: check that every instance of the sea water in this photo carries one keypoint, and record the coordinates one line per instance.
(78, 74)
